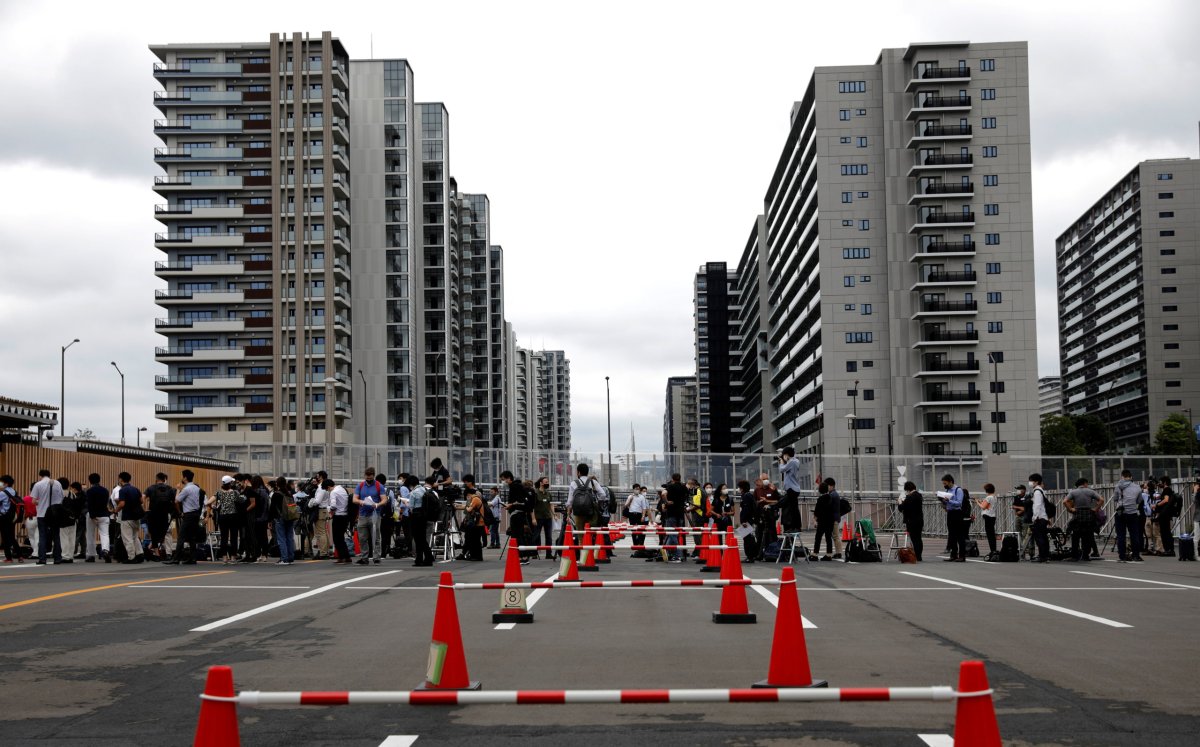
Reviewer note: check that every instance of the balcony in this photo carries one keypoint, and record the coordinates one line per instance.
(943, 190)
(181, 183)
(940, 337)
(198, 411)
(173, 324)
(926, 133)
(951, 428)
(165, 99)
(931, 220)
(943, 367)
(943, 249)
(932, 75)
(213, 381)
(171, 297)
(936, 396)
(190, 155)
(941, 161)
(198, 212)
(193, 268)
(964, 278)
(175, 126)
(938, 104)
(225, 353)
(197, 70)
(173, 240)
(947, 308)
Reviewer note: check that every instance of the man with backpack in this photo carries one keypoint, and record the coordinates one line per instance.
(370, 498)
(520, 507)
(954, 500)
(10, 513)
(422, 500)
(1127, 499)
(1041, 517)
(676, 504)
(189, 501)
(583, 498)
(161, 499)
(1083, 502)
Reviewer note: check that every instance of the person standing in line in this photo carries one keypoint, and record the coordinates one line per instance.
(473, 525)
(586, 512)
(129, 508)
(320, 502)
(10, 514)
(1041, 519)
(386, 511)
(987, 507)
(1082, 503)
(913, 511)
(766, 499)
(1023, 509)
(839, 518)
(825, 512)
(953, 501)
(520, 513)
(262, 508)
(161, 499)
(46, 493)
(747, 518)
(635, 510)
(229, 521)
(98, 518)
(367, 497)
(789, 505)
(1150, 497)
(187, 500)
(418, 520)
(678, 500)
(1127, 509)
(543, 514)
(495, 503)
(403, 510)
(1165, 509)
(339, 503)
(74, 504)
(284, 525)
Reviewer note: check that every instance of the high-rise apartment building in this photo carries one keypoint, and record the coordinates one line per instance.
(877, 311)
(256, 212)
(681, 420)
(1050, 396)
(718, 372)
(555, 393)
(1127, 277)
(527, 407)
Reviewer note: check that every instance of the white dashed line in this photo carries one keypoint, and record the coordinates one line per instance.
(1025, 600)
(282, 602)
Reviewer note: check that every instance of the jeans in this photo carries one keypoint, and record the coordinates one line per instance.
(1040, 528)
(544, 530)
(914, 536)
(1083, 534)
(97, 525)
(419, 529)
(494, 533)
(989, 526)
(189, 529)
(8, 538)
(285, 537)
(368, 535)
(48, 536)
(1133, 524)
(671, 543)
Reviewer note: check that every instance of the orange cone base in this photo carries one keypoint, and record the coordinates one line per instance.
(587, 568)
(511, 617)
(748, 618)
(710, 569)
(815, 683)
(603, 561)
(473, 685)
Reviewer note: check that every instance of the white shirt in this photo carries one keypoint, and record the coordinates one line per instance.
(638, 503)
(46, 493)
(338, 500)
(991, 509)
(321, 498)
(1039, 504)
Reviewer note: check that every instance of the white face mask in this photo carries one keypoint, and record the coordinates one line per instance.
(1032, 486)
(709, 491)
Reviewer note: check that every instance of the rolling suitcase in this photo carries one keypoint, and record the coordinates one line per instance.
(1187, 548)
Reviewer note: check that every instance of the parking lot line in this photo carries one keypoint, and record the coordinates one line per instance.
(774, 600)
(89, 590)
(532, 600)
(937, 740)
(1025, 600)
(273, 605)
(199, 586)
(1081, 588)
(1139, 580)
(399, 740)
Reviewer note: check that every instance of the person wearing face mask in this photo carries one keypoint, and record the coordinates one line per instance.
(722, 508)
(953, 501)
(914, 517)
(635, 509)
(1041, 519)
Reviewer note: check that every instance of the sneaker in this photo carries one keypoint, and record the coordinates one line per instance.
(813, 558)
(378, 561)
(364, 561)
(1137, 558)
(8, 560)
(826, 557)
(280, 562)
(40, 562)
(89, 560)
(675, 560)
(837, 556)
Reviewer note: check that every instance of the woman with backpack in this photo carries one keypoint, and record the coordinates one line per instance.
(987, 505)
(260, 518)
(473, 526)
(230, 521)
(826, 512)
(283, 513)
(11, 509)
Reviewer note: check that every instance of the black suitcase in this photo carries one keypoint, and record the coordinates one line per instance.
(1010, 551)
(1187, 548)
(972, 549)
(751, 547)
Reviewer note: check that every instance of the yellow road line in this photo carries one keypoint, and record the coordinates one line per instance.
(60, 595)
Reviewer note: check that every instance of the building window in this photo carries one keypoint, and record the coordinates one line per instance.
(197, 428)
(1166, 252)
(1166, 233)
(995, 387)
(857, 337)
(1174, 403)
(991, 208)
(866, 309)
(1171, 364)
(864, 225)
(1170, 328)
(868, 394)
(844, 115)
(1167, 270)
(848, 307)
(259, 426)
(847, 197)
(993, 268)
(993, 297)
(988, 123)
(1171, 346)
(990, 151)
(1166, 195)
(1169, 289)
(999, 417)
(861, 113)
(995, 327)
(1167, 214)
(999, 447)
(864, 195)
(1165, 177)
(852, 86)
(868, 364)
(847, 223)
(992, 239)
(854, 169)
(862, 142)
(847, 281)
(991, 180)
(864, 424)
(1173, 384)
(987, 94)
(864, 278)
(856, 252)
(851, 366)
(845, 140)
(987, 65)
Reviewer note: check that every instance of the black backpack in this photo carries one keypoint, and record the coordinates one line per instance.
(489, 517)
(1051, 509)
(583, 501)
(431, 505)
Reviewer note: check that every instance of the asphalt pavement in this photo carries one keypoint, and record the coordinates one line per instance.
(1098, 653)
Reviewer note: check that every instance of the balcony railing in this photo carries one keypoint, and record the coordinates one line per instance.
(948, 247)
(199, 69)
(942, 276)
(230, 124)
(943, 426)
(953, 159)
(943, 188)
(957, 335)
(942, 102)
(945, 130)
(944, 395)
(946, 218)
(935, 73)
(949, 306)
(944, 365)
(190, 351)
(190, 378)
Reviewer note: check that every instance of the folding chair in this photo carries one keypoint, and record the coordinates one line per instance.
(899, 541)
(789, 542)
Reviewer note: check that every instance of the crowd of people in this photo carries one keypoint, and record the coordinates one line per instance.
(252, 519)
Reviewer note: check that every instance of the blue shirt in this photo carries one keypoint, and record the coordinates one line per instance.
(368, 490)
(791, 475)
(955, 501)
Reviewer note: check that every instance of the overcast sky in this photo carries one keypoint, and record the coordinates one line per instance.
(622, 145)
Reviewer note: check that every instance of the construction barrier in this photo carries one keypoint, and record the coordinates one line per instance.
(641, 583)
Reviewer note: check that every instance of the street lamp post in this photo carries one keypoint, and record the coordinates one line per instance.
(114, 365)
(608, 411)
(140, 431)
(62, 389)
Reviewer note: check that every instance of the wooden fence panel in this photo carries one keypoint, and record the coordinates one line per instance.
(23, 461)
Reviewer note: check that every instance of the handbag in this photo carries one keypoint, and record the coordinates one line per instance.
(58, 517)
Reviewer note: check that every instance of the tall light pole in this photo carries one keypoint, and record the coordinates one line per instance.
(995, 361)
(366, 411)
(114, 365)
(140, 431)
(62, 389)
(608, 411)
(330, 416)
(1191, 446)
(852, 421)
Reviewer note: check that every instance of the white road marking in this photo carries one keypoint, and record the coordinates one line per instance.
(282, 602)
(1138, 580)
(189, 586)
(934, 740)
(399, 740)
(531, 600)
(387, 588)
(774, 600)
(1025, 600)
(30, 563)
(1080, 588)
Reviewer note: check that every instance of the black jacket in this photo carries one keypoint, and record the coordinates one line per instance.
(910, 507)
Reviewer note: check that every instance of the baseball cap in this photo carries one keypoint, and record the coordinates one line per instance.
(226, 480)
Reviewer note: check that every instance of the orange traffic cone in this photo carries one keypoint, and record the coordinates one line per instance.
(512, 601)
(568, 568)
(447, 659)
(733, 598)
(975, 715)
(789, 653)
(357, 549)
(846, 536)
(218, 724)
(589, 556)
(714, 560)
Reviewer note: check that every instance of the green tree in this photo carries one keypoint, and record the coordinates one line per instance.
(1059, 437)
(1175, 436)
(1094, 434)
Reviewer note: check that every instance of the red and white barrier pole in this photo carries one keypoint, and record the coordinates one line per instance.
(638, 584)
